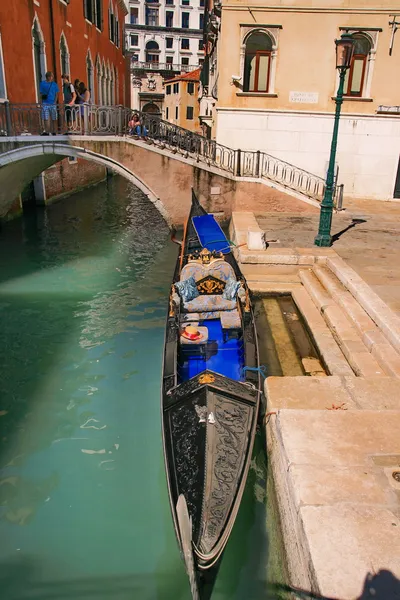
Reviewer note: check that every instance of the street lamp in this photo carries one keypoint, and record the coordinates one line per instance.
(344, 54)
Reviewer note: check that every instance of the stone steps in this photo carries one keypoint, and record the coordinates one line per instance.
(366, 349)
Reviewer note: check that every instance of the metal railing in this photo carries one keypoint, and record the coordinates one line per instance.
(89, 119)
(155, 66)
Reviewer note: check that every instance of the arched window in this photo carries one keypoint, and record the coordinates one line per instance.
(111, 22)
(103, 84)
(64, 54)
(152, 52)
(257, 64)
(39, 55)
(90, 76)
(108, 85)
(356, 75)
(99, 88)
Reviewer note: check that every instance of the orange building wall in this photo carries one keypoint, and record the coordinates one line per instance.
(16, 22)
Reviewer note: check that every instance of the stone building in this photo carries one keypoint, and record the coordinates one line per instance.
(277, 82)
(165, 39)
(181, 105)
(84, 38)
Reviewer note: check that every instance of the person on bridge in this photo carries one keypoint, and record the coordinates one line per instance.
(49, 92)
(69, 100)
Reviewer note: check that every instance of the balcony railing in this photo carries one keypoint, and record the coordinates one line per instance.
(157, 66)
(88, 119)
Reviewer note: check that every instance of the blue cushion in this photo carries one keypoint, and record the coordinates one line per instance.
(187, 289)
(231, 289)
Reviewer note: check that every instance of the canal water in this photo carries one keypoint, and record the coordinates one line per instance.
(84, 513)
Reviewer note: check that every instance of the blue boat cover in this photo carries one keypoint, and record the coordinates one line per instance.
(210, 234)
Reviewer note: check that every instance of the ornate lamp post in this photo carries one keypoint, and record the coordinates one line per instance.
(344, 54)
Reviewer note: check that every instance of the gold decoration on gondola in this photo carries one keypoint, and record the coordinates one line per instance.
(210, 285)
(171, 302)
(205, 257)
(206, 378)
(247, 302)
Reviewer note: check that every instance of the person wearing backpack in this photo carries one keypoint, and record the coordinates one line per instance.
(69, 95)
(49, 91)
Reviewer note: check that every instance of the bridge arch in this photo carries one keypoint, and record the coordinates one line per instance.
(38, 157)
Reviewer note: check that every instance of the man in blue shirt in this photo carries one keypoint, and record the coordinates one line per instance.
(48, 92)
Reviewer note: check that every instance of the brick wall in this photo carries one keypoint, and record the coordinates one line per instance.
(66, 177)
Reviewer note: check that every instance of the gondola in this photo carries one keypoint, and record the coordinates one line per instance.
(211, 393)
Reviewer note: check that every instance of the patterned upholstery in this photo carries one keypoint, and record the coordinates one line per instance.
(192, 269)
(187, 289)
(230, 319)
(209, 303)
(231, 289)
(218, 268)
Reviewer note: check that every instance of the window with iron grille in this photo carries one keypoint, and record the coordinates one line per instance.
(189, 113)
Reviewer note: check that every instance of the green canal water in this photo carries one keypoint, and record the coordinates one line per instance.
(84, 513)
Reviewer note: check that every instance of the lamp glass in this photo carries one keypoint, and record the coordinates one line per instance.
(344, 51)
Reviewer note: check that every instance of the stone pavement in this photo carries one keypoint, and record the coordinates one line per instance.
(371, 248)
(333, 442)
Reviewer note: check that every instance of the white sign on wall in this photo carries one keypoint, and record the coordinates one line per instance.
(304, 97)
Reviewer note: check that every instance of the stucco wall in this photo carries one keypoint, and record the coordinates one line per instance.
(368, 147)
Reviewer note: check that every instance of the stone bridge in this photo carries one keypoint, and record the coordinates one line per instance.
(164, 175)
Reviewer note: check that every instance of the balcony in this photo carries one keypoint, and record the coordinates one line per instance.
(157, 66)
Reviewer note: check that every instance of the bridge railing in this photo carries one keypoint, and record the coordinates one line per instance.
(89, 119)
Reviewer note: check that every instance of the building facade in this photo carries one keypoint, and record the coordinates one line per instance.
(277, 82)
(83, 38)
(181, 106)
(164, 38)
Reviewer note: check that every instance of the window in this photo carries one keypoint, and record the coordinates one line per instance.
(3, 90)
(185, 2)
(116, 40)
(356, 75)
(169, 18)
(169, 42)
(184, 60)
(152, 52)
(201, 44)
(166, 113)
(201, 2)
(169, 60)
(176, 112)
(184, 44)
(168, 90)
(257, 62)
(169, 2)
(90, 76)
(64, 56)
(134, 16)
(99, 14)
(176, 88)
(135, 58)
(201, 21)
(185, 20)
(151, 16)
(93, 11)
(88, 10)
(190, 87)
(39, 55)
(111, 23)
(189, 113)
(134, 40)
(201, 61)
